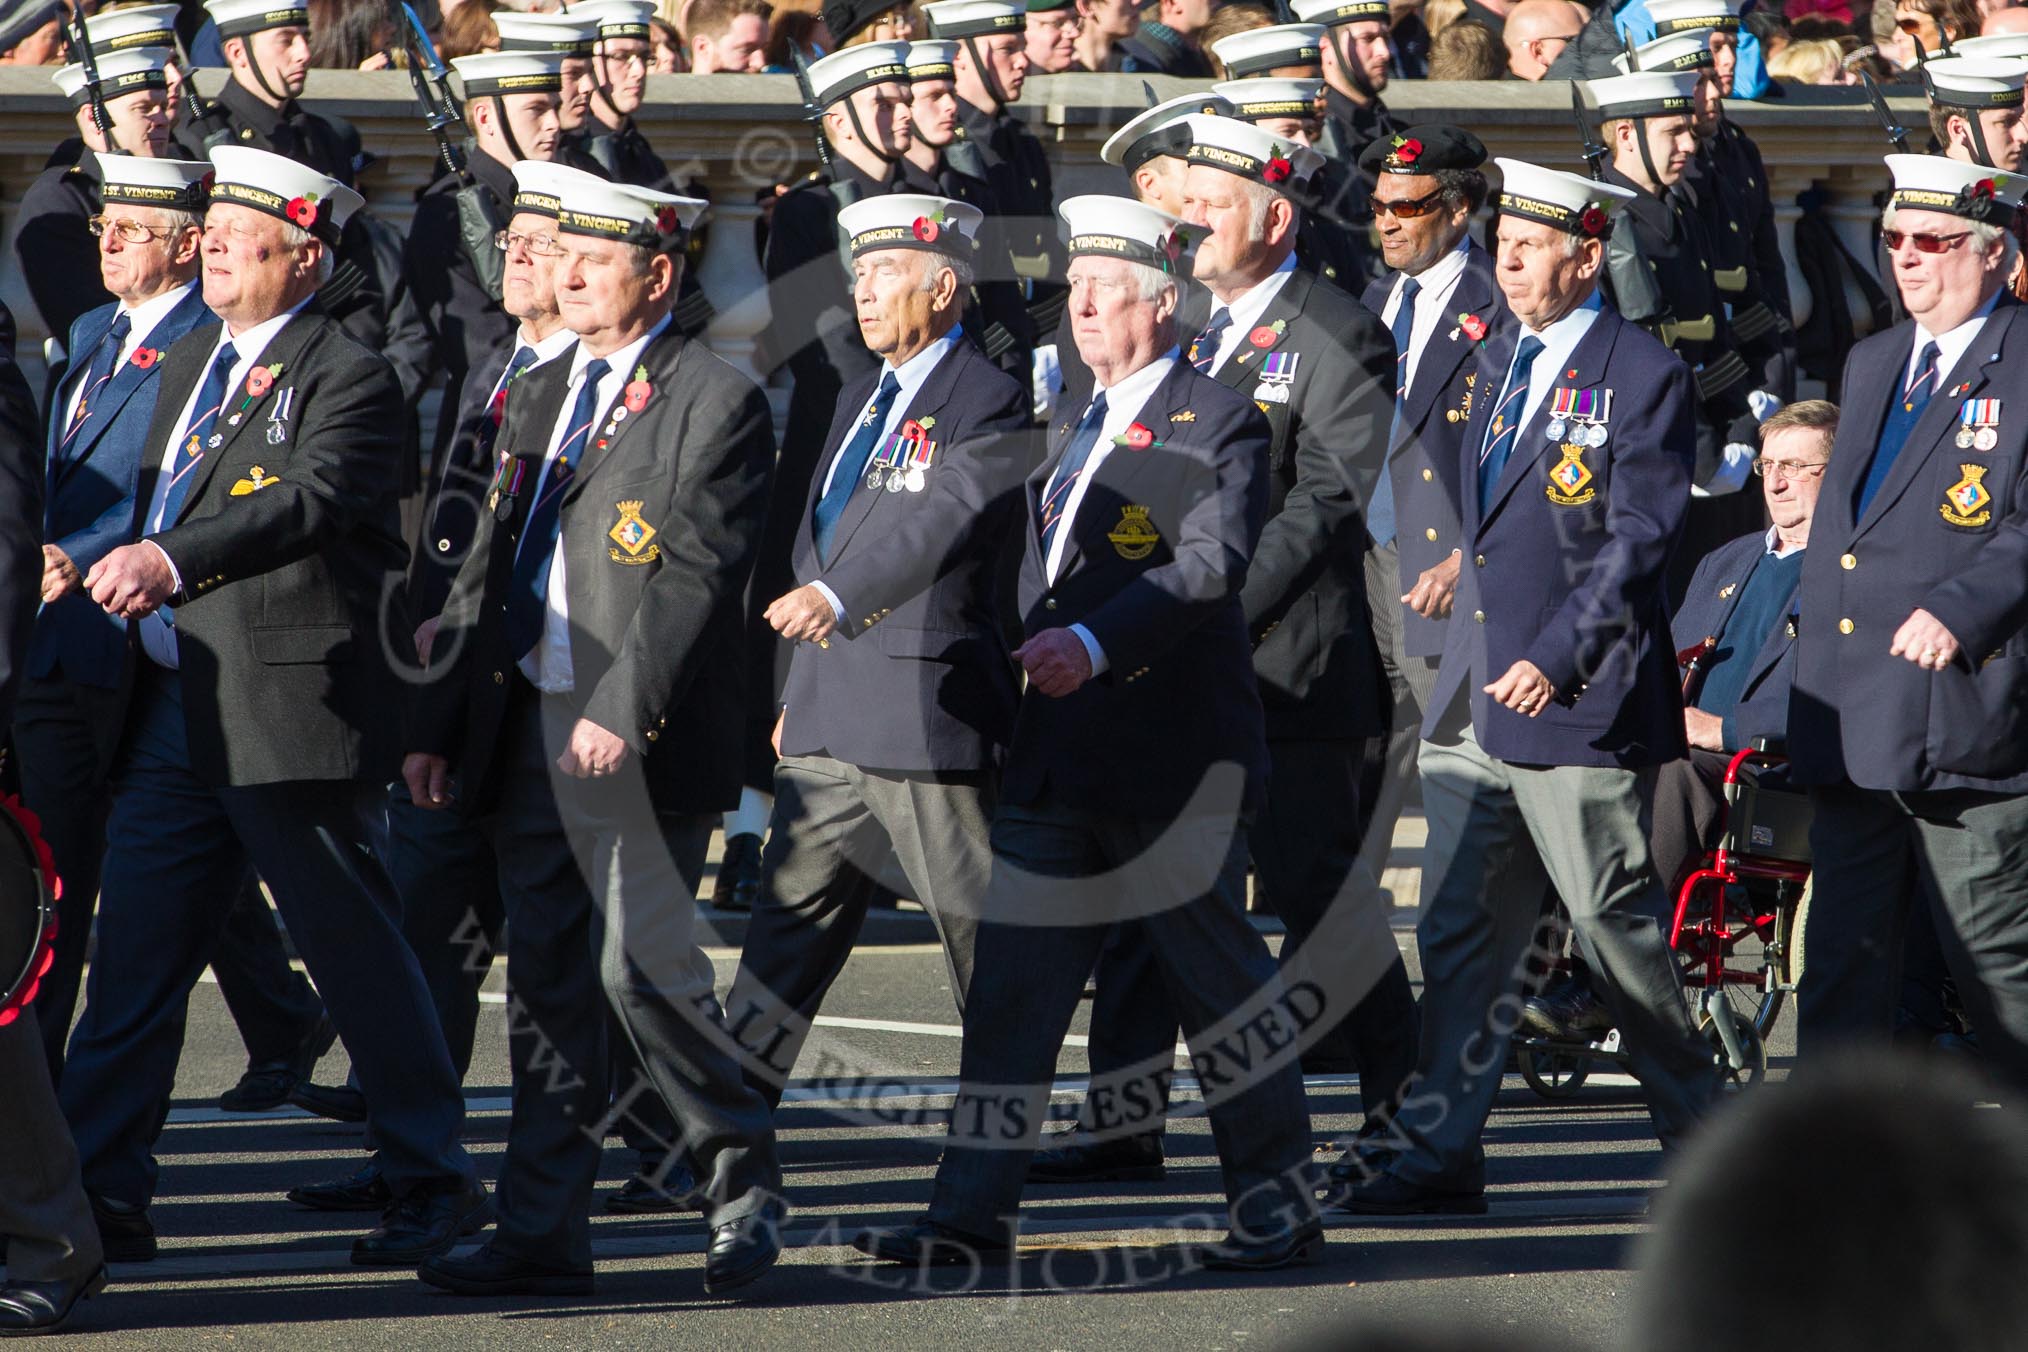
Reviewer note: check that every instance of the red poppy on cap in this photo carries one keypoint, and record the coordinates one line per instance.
(1277, 171)
(302, 210)
(665, 220)
(1593, 222)
(927, 230)
(1409, 151)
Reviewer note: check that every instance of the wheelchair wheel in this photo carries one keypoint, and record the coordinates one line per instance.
(1750, 1065)
(1774, 958)
(1552, 1072)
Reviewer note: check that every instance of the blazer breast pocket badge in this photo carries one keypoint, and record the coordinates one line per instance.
(257, 479)
(1135, 537)
(1569, 481)
(1968, 503)
(634, 536)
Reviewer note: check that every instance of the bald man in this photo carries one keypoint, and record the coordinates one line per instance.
(2012, 19)
(1536, 33)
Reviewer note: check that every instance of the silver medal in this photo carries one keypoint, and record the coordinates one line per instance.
(894, 478)
(915, 480)
(873, 478)
(1964, 438)
(1987, 438)
(1555, 429)
(1595, 436)
(215, 442)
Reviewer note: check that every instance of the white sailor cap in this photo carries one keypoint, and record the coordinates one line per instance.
(1976, 192)
(621, 211)
(19, 20)
(910, 220)
(174, 185)
(1974, 82)
(1097, 225)
(1265, 97)
(120, 73)
(1671, 55)
(618, 18)
(244, 18)
(844, 73)
(484, 73)
(1570, 202)
(933, 59)
(284, 189)
(1688, 16)
(975, 18)
(1647, 93)
(1260, 50)
(1247, 150)
(117, 30)
(1159, 130)
(1333, 12)
(565, 33)
(540, 186)
(2000, 45)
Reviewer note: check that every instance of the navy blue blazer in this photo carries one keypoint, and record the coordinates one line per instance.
(89, 507)
(916, 677)
(1153, 567)
(1715, 589)
(1571, 578)
(1947, 532)
(20, 517)
(1423, 458)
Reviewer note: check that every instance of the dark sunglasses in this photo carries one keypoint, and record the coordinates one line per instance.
(1408, 208)
(1929, 244)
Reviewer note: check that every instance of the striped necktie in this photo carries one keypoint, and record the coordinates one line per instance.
(1901, 419)
(1380, 515)
(1204, 347)
(1057, 499)
(1506, 426)
(104, 362)
(528, 590)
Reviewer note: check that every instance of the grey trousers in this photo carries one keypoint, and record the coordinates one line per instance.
(1390, 764)
(1239, 1019)
(1497, 832)
(835, 831)
(1875, 854)
(51, 1236)
(600, 894)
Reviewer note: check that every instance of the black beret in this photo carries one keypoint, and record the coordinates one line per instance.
(1424, 149)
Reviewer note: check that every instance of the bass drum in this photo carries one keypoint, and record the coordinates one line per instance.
(28, 890)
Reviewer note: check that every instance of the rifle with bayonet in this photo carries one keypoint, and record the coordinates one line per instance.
(204, 112)
(480, 216)
(1897, 135)
(81, 44)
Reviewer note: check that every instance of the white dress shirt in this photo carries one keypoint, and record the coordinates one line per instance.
(547, 665)
(158, 637)
(142, 320)
(1432, 301)
(1247, 310)
(1559, 340)
(1950, 346)
(911, 376)
(1124, 403)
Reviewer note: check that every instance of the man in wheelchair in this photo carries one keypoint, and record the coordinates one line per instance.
(1739, 619)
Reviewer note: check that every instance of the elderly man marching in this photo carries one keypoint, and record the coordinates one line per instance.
(1141, 521)
(588, 700)
(1905, 719)
(1556, 699)
(900, 699)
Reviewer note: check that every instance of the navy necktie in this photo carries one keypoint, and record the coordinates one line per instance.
(528, 592)
(1902, 416)
(1069, 469)
(1380, 516)
(104, 362)
(496, 411)
(852, 467)
(1506, 426)
(197, 441)
(1204, 347)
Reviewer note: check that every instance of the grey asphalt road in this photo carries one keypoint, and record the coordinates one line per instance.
(1099, 1268)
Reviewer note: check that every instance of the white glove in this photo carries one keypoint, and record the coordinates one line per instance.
(1046, 376)
(1763, 404)
(1730, 476)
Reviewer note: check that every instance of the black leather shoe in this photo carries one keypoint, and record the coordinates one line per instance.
(363, 1191)
(738, 883)
(1567, 1010)
(422, 1225)
(266, 1084)
(486, 1272)
(640, 1196)
(930, 1244)
(1074, 1157)
(1263, 1253)
(1390, 1195)
(28, 1308)
(339, 1102)
(125, 1232)
(742, 1250)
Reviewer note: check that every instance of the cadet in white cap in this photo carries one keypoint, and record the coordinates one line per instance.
(1713, 22)
(620, 77)
(574, 35)
(59, 261)
(121, 30)
(276, 457)
(267, 48)
(1998, 46)
(1575, 467)
(1286, 51)
(899, 535)
(1357, 57)
(1151, 147)
(1148, 494)
(1290, 109)
(1903, 720)
(1321, 367)
(593, 711)
(1975, 109)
